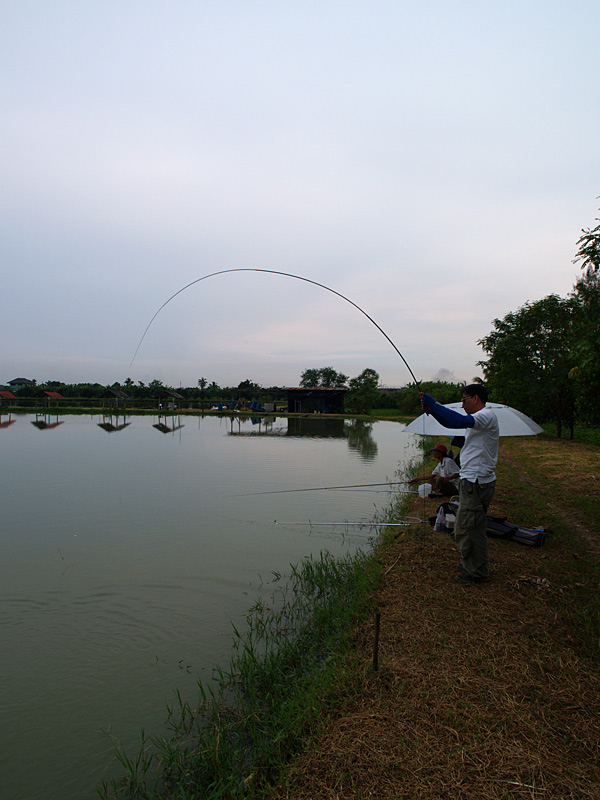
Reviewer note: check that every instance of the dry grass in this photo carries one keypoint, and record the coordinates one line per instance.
(483, 691)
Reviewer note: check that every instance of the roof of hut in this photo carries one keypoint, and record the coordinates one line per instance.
(21, 382)
(112, 392)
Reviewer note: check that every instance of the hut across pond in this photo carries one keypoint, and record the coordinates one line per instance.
(315, 400)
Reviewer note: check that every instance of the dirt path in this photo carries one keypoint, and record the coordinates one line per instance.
(483, 691)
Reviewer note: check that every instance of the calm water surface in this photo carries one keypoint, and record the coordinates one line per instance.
(125, 554)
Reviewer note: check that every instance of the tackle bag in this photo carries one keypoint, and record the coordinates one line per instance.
(497, 527)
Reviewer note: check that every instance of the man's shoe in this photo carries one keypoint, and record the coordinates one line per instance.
(465, 578)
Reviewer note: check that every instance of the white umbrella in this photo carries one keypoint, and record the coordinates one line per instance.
(511, 422)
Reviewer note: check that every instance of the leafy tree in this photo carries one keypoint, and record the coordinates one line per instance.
(363, 394)
(248, 386)
(530, 358)
(589, 249)
(325, 377)
(586, 348)
(330, 378)
(310, 378)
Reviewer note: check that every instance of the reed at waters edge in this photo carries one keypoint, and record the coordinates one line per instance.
(285, 672)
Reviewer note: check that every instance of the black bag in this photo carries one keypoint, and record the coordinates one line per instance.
(497, 527)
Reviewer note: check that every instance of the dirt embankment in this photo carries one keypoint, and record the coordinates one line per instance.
(483, 691)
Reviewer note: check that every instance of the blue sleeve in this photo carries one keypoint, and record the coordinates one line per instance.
(447, 416)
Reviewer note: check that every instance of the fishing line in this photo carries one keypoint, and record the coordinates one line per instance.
(287, 275)
(321, 488)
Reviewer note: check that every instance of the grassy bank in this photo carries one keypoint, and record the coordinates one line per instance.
(486, 691)
(289, 670)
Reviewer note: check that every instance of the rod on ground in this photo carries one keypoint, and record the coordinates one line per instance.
(376, 642)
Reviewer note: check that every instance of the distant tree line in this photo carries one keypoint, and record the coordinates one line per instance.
(203, 391)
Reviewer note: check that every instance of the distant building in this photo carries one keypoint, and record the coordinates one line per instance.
(315, 400)
(21, 382)
(167, 399)
(116, 398)
(51, 395)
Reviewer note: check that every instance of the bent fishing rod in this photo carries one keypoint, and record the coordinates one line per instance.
(286, 275)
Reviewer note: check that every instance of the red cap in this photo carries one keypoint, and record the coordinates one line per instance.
(441, 448)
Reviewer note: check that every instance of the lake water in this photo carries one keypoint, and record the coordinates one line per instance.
(127, 551)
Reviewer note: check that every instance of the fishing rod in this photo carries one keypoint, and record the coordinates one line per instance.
(287, 275)
(349, 524)
(324, 488)
(406, 522)
(375, 491)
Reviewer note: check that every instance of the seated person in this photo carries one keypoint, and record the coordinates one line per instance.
(444, 477)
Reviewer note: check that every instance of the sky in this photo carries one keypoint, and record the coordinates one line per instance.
(434, 163)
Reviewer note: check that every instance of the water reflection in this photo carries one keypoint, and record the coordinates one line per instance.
(261, 426)
(169, 424)
(358, 433)
(45, 422)
(360, 438)
(111, 423)
(316, 426)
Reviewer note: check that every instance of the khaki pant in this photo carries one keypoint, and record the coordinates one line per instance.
(471, 525)
(443, 486)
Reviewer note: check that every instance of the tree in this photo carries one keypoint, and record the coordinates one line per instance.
(589, 249)
(586, 348)
(530, 358)
(325, 377)
(248, 386)
(363, 394)
(310, 378)
(330, 378)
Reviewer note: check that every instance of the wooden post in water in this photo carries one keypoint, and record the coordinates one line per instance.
(376, 642)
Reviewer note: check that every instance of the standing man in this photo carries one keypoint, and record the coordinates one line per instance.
(478, 459)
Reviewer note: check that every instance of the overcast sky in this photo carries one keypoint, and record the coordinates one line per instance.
(433, 162)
